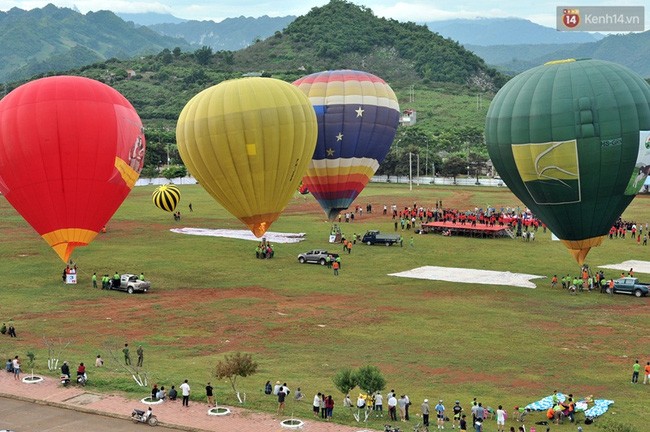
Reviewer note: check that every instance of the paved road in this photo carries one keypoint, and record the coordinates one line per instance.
(30, 417)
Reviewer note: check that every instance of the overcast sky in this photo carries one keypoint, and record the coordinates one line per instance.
(540, 11)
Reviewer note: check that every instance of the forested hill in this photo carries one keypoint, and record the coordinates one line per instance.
(344, 35)
(54, 39)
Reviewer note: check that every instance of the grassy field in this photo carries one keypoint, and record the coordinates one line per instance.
(431, 339)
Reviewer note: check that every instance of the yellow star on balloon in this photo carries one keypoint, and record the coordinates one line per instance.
(330, 152)
(359, 112)
(339, 137)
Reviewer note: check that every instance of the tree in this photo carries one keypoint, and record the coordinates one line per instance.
(453, 166)
(370, 379)
(174, 171)
(345, 380)
(54, 350)
(233, 366)
(203, 55)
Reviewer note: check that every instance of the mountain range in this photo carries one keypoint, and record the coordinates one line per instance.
(56, 39)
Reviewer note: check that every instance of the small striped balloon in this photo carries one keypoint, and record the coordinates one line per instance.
(166, 197)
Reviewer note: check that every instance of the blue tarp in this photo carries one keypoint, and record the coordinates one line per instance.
(599, 408)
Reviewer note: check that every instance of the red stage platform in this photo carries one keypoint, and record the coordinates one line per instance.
(468, 230)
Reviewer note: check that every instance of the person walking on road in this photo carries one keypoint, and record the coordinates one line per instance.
(185, 391)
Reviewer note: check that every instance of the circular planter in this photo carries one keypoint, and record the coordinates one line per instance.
(292, 424)
(150, 401)
(218, 411)
(32, 379)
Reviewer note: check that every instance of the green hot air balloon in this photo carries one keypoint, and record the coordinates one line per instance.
(571, 139)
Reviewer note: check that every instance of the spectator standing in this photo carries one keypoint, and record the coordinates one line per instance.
(457, 412)
(281, 397)
(127, 355)
(185, 392)
(401, 404)
(392, 407)
(329, 407)
(501, 419)
(316, 404)
(140, 353)
(15, 363)
(209, 393)
(425, 413)
(12, 331)
(646, 376)
(635, 372)
(379, 403)
(440, 414)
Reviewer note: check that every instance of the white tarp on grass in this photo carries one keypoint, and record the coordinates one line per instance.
(273, 237)
(638, 266)
(464, 275)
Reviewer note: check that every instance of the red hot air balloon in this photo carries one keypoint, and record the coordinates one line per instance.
(71, 150)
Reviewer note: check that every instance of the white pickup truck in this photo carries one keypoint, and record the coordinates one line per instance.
(131, 284)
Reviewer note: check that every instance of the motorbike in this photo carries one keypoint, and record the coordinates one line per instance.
(389, 428)
(82, 380)
(65, 380)
(139, 416)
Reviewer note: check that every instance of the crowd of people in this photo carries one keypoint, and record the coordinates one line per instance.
(587, 281)
(264, 250)
(400, 408)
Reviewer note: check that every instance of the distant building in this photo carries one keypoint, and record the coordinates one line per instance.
(408, 117)
(130, 73)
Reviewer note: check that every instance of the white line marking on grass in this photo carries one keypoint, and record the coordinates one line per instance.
(638, 266)
(273, 237)
(463, 275)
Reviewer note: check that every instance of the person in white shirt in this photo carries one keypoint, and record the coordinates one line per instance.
(392, 407)
(501, 419)
(185, 391)
(379, 403)
(316, 404)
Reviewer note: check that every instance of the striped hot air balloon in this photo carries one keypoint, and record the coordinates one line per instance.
(166, 197)
(358, 115)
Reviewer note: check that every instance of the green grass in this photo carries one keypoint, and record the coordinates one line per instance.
(210, 297)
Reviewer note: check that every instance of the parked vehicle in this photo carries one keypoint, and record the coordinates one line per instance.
(316, 256)
(139, 416)
(630, 285)
(375, 237)
(131, 283)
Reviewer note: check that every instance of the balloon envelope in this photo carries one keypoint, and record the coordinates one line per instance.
(358, 115)
(248, 143)
(71, 149)
(572, 140)
(166, 197)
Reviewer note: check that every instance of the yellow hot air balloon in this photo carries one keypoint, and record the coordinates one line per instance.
(248, 142)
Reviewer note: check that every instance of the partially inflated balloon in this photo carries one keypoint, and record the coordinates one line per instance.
(572, 140)
(71, 149)
(248, 142)
(358, 115)
(166, 197)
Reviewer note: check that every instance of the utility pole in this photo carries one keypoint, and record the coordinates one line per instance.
(410, 171)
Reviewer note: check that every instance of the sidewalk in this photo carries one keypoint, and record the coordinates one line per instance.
(170, 413)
